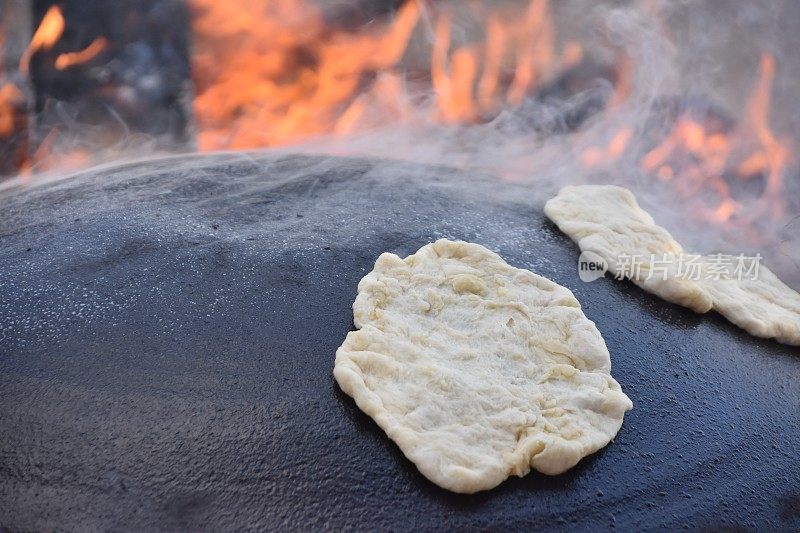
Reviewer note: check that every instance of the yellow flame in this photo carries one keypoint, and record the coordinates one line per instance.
(69, 59)
(46, 35)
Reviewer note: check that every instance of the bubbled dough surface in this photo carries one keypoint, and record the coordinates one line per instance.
(476, 369)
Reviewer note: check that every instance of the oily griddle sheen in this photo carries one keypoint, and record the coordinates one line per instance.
(167, 336)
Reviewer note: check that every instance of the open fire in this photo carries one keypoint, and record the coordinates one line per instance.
(271, 73)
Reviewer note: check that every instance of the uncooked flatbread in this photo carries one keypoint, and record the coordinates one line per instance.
(476, 369)
(764, 307)
(608, 221)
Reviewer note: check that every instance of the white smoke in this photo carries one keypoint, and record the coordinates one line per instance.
(677, 49)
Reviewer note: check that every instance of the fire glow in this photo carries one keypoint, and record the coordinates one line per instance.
(270, 73)
(286, 100)
(696, 155)
(275, 73)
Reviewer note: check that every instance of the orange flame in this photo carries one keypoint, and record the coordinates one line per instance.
(496, 44)
(273, 72)
(593, 157)
(271, 80)
(773, 154)
(270, 72)
(697, 158)
(453, 86)
(47, 34)
(10, 98)
(69, 59)
(537, 50)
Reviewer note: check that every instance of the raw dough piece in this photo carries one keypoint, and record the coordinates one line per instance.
(476, 369)
(607, 220)
(764, 307)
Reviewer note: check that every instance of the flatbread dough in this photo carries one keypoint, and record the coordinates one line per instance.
(608, 221)
(476, 369)
(764, 307)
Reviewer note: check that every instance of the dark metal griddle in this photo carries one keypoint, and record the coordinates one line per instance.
(167, 337)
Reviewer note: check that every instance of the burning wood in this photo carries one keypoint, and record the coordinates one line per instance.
(287, 72)
(79, 97)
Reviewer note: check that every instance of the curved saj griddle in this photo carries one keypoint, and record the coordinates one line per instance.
(168, 334)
